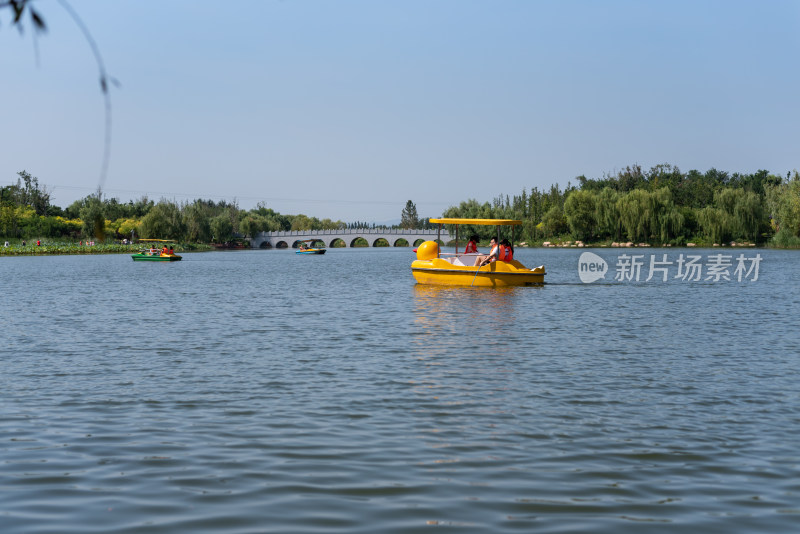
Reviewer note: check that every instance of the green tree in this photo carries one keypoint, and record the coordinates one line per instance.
(197, 223)
(408, 217)
(783, 205)
(666, 219)
(221, 228)
(635, 211)
(607, 214)
(93, 222)
(28, 193)
(749, 212)
(9, 220)
(716, 223)
(253, 223)
(302, 222)
(554, 223)
(579, 210)
(164, 221)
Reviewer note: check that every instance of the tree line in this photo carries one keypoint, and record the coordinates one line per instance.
(26, 212)
(659, 206)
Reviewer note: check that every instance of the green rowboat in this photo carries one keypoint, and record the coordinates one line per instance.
(151, 253)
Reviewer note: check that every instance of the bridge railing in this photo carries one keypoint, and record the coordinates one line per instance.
(351, 231)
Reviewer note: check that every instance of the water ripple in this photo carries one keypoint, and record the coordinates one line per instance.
(276, 394)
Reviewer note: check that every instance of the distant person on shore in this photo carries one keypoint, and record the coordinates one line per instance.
(472, 245)
(488, 258)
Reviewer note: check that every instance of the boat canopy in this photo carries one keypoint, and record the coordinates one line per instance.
(497, 223)
(482, 222)
(156, 241)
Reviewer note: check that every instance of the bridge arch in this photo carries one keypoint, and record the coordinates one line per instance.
(348, 237)
(296, 243)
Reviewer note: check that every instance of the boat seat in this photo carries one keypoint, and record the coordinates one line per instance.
(464, 260)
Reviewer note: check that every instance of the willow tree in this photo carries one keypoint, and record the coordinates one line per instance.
(164, 221)
(606, 214)
(221, 228)
(666, 221)
(743, 210)
(579, 211)
(716, 223)
(783, 204)
(749, 212)
(635, 211)
(197, 222)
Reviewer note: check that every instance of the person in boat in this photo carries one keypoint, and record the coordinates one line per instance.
(164, 251)
(171, 250)
(472, 245)
(505, 252)
(488, 258)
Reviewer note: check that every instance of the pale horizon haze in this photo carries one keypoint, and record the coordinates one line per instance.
(347, 109)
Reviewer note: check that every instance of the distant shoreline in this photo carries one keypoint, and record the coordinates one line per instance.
(85, 250)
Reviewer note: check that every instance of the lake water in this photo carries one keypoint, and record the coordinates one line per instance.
(262, 391)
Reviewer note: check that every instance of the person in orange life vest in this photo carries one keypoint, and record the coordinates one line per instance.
(483, 260)
(171, 250)
(505, 251)
(472, 245)
(164, 251)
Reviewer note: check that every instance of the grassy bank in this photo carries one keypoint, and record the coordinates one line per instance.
(59, 248)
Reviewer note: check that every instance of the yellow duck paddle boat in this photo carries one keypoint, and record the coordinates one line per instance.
(153, 253)
(434, 267)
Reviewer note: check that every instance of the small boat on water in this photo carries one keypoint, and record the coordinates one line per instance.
(307, 247)
(458, 269)
(153, 253)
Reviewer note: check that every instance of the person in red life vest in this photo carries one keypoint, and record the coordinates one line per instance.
(489, 258)
(505, 251)
(171, 250)
(472, 245)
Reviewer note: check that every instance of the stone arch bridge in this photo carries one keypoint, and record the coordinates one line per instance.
(348, 237)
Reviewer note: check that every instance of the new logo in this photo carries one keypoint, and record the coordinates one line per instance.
(591, 267)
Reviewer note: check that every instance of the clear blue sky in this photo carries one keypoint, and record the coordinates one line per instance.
(347, 109)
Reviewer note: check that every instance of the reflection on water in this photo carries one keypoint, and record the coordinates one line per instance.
(442, 306)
